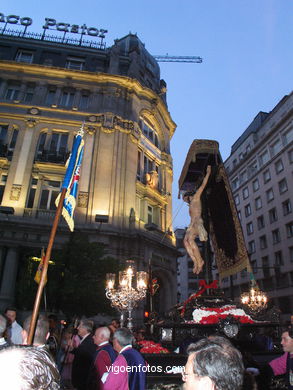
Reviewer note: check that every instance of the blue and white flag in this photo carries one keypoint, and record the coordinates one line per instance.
(71, 180)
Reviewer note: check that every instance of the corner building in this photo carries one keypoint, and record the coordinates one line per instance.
(48, 89)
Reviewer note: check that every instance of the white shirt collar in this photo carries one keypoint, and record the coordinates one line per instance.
(84, 337)
(126, 346)
(103, 343)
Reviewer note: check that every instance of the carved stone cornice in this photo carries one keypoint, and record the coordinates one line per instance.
(15, 192)
(31, 122)
(82, 199)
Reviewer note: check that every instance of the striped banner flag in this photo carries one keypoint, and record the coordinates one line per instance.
(71, 180)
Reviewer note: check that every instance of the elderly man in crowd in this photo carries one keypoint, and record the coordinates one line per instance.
(128, 372)
(14, 330)
(83, 355)
(104, 358)
(211, 366)
(23, 367)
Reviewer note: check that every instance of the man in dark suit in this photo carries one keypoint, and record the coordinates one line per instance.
(83, 355)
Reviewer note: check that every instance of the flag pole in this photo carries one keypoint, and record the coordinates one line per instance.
(45, 267)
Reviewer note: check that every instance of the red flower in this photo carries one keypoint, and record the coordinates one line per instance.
(151, 347)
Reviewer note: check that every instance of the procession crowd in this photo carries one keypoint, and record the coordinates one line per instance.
(84, 357)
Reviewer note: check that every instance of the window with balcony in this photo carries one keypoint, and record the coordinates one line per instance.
(52, 147)
(150, 214)
(252, 168)
(264, 158)
(263, 242)
(258, 203)
(245, 193)
(7, 141)
(276, 236)
(24, 56)
(254, 266)
(270, 195)
(247, 210)
(29, 94)
(283, 186)
(50, 95)
(279, 258)
(260, 222)
(67, 98)
(249, 228)
(273, 216)
(235, 183)
(48, 194)
(2, 186)
(75, 63)
(255, 185)
(276, 147)
(243, 176)
(286, 206)
(251, 247)
(265, 266)
(279, 166)
(266, 176)
(288, 136)
(149, 132)
(289, 229)
(84, 101)
(12, 92)
(3, 140)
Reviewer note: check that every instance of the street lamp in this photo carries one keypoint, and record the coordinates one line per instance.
(132, 287)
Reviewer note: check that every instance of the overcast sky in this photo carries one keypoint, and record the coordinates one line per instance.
(246, 48)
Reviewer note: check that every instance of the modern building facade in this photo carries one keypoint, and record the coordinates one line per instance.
(260, 169)
(48, 89)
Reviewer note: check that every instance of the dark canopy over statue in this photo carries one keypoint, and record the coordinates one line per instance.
(219, 213)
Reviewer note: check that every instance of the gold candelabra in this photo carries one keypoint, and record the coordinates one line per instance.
(255, 299)
(131, 289)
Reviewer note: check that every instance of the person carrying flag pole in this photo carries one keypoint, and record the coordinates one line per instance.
(66, 202)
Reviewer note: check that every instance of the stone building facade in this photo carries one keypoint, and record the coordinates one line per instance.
(48, 89)
(260, 173)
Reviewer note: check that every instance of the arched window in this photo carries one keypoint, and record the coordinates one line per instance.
(149, 132)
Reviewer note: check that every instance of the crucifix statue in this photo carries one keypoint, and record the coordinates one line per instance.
(196, 228)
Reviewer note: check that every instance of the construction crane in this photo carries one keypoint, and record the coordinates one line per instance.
(167, 58)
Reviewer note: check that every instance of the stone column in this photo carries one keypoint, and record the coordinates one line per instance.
(7, 292)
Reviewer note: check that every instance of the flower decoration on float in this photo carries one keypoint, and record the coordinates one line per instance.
(148, 346)
(214, 315)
